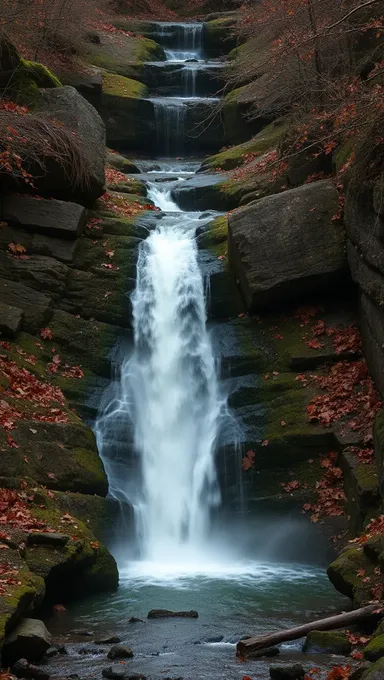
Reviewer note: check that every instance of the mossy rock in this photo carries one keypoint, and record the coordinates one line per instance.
(120, 86)
(375, 649)
(375, 672)
(97, 513)
(61, 456)
(215, 238)
(75, 337)
(69, 570)
(24, 83)
(218, 36)
(343, 574)
(130, 186)
(327, 642)
(234, 157)
(118, 54)
(22, 598)
(115, 160)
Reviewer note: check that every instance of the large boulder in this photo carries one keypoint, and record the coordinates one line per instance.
(287, 245)
(66, 106)
(30, 640)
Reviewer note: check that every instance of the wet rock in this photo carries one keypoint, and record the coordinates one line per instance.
(23, 669)
(167, 614)
(30, 640)
(215, 638)
(134, 619)
(287, 672)
(108, 640)
(120, 652)
(327, 642)
(268, 652)
(10, 320)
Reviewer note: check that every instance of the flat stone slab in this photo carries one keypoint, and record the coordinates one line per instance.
(35, 305)
(42, 538)
(50, 216)
(10, 320)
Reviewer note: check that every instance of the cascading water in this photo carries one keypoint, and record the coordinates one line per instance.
(169, 390)
(174, 393)
(170, 117)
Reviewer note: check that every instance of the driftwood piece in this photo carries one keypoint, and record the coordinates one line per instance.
(246, 647)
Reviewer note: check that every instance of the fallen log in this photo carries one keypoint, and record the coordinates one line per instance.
(245, 647)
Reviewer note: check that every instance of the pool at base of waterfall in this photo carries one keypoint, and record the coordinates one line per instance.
(233, 601)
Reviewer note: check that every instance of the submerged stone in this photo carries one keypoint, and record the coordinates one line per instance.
(167, 614)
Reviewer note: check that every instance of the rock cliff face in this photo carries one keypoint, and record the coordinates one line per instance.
(287, 246)
(65, 271)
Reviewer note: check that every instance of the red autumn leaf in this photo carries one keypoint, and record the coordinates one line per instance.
(46, 334)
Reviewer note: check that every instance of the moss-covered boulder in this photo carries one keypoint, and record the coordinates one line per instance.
(375, 672)
(128, 117)
(375, 648)
(21, 77)
(327, 642)
(118, 52)
(60, 455)
(235, 156)
(352, 573)
(115, 160)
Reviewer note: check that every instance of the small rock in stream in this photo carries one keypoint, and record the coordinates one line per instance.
(119, 652)
(215, 638)
(260, 653)
(134, 619)
(167, 614)
(23, 669)
(55, 650)
(110, 640)
(287, 672)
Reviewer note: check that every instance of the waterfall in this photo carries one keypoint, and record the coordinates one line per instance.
(170, 115)
(169, 389)
(174, 393)
(189, 80)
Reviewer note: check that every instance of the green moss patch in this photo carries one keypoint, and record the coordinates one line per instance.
(327, 642)
(120, 86)
(375, 649)
(235, 156)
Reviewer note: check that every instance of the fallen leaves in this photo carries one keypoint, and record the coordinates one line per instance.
(46, 334)
(350, 398)
(248, 461)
